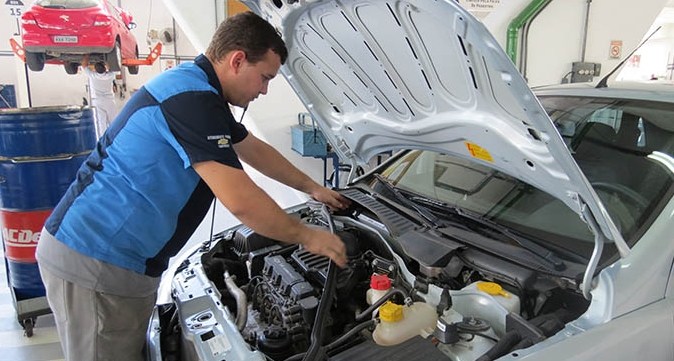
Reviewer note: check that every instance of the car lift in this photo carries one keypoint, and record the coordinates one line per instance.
(154, 54)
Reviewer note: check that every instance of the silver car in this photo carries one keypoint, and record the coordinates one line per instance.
(507, 224)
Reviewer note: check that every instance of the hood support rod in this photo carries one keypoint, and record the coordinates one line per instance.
(599, 240)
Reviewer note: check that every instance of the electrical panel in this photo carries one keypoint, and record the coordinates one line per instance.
(582, 72)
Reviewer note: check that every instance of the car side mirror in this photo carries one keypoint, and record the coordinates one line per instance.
(131, 25)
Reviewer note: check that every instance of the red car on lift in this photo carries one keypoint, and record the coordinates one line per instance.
(63, 31)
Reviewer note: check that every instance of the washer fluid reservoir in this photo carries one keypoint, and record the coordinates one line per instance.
(379, 285)
(508, 300)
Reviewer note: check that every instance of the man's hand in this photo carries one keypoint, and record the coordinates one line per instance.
(271, 163)
(324, 243)
(252, 206)
(330, 197)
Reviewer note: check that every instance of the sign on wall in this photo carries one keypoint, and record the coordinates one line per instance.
(15, 7)
(479, 8)
(616, 49)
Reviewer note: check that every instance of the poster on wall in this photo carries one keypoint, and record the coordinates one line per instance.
(479, 8)
(634, 61)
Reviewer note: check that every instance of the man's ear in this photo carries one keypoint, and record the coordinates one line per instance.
(237, 59)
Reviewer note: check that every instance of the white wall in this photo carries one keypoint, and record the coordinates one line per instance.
(656, 57)
(273, 114)
(556, 35)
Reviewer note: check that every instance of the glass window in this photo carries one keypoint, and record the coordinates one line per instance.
(68, 4)
(623, 147)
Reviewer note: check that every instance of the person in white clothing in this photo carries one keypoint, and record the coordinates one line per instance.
(101, 92)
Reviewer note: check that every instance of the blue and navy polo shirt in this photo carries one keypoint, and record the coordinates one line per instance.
(136, 200)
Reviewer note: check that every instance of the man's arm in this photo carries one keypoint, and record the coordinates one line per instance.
(252, 206)
(271, 163)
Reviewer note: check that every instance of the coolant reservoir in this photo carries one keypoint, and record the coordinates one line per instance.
(400, 323)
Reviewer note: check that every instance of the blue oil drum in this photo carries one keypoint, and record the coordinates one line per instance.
(41, 150)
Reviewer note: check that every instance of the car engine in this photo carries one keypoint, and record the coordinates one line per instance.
(406, 294)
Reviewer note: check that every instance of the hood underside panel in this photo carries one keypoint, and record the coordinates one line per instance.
(386, 75)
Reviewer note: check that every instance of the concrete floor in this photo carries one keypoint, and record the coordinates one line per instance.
(14, 345)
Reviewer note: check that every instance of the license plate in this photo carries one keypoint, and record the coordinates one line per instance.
(65, 39)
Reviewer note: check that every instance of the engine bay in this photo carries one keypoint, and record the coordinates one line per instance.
(405, 291)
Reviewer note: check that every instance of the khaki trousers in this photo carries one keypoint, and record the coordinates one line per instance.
(97, 326)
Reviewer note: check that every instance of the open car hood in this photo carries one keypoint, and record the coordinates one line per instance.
(384, 75)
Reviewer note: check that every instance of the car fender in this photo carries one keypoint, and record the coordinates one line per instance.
(645, 334)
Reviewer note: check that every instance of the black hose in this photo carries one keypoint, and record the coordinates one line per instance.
(351, 333)
(368, 312)
(503, 346)
(338, 341)
(316, 351)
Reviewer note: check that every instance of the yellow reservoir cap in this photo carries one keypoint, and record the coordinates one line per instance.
(390, 312)
(492, 288)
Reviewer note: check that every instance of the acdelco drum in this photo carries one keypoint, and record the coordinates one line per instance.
(41, 150)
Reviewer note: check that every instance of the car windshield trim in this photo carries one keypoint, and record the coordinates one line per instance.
(430, 219)
(535, 248)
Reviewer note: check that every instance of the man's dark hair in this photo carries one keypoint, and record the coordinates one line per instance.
(100, 67)
(248, 32)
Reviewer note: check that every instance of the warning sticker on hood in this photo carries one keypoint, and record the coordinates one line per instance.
(478, 152)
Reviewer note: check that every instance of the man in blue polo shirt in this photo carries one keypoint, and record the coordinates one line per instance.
(150, 181)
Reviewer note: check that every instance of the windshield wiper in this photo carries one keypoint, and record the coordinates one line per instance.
(523, 242)
(430, 218)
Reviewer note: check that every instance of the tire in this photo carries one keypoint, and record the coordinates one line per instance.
(71, 68)
(114, 57)
(133, 69)
(35, 61)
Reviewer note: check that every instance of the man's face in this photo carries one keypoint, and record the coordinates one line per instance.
(253, 79)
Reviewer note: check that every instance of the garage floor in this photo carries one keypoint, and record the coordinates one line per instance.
(14, 346)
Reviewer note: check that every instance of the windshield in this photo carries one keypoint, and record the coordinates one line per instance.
(623, 147)
(69, 4)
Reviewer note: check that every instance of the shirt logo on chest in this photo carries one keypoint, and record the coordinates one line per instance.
(222, 140)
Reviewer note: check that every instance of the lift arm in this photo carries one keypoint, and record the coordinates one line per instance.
(17, 49)
(154, 55)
